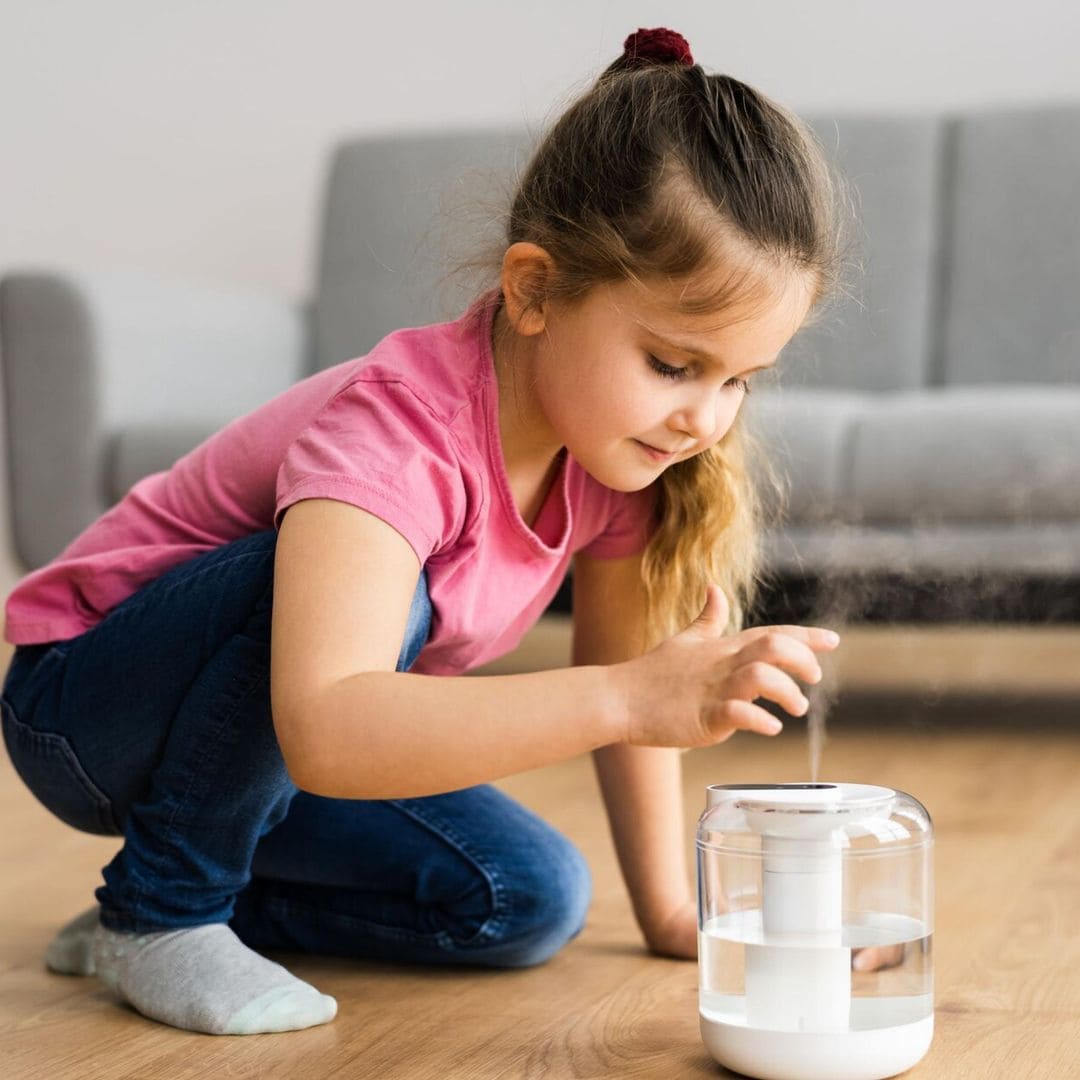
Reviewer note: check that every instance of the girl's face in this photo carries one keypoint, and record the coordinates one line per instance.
(630, 386)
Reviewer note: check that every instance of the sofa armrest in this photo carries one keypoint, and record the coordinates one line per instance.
(84, 355)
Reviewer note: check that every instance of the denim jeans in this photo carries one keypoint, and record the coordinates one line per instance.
(155, 725)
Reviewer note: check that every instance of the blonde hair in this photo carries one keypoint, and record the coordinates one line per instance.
(662, 172)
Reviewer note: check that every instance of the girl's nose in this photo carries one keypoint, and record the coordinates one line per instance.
(705, 416)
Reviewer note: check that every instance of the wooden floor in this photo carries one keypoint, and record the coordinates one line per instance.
(1000, 778)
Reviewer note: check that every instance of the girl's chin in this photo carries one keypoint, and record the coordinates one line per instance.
(624, 476)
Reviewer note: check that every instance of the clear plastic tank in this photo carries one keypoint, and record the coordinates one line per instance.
(794, 882)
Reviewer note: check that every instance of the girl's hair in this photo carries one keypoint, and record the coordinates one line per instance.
(662, 172)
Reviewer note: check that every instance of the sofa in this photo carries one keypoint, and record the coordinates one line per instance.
(928, 426)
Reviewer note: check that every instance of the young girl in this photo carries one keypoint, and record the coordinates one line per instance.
(249, 668)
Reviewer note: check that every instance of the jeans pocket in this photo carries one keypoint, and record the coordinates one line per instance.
(48, 766)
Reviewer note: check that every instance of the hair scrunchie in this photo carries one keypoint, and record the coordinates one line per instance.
(657, 46)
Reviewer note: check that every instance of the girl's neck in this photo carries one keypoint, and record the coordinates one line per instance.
(530, 459)
(529, 445)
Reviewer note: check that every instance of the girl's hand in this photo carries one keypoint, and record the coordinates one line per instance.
(877, 957)
(676, 934)
(697, 688)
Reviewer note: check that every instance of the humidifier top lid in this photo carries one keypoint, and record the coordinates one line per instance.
(806, 798)
(861, 817)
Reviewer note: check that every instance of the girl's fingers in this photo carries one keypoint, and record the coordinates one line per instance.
(817, 637)
(785, 652)
(743, 716)
(758, 679)
(876, 957)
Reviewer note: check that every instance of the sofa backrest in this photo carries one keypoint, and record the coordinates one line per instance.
(398, 210)
(1012, 286)
(965, 228)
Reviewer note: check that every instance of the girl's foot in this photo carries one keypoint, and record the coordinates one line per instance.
(186, 980)
(204, 978)
(201, 979)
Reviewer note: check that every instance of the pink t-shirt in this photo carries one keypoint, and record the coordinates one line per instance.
(410, 433)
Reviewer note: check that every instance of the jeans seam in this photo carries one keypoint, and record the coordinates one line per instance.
(493, 925)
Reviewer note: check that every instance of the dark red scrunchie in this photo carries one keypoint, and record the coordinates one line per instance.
(658, 46)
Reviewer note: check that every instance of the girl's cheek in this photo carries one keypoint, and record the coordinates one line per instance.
(732, 413)
(726, 422)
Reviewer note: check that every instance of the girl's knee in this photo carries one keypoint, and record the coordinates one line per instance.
(546, 899)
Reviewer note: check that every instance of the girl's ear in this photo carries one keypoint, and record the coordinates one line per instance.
(526, 269)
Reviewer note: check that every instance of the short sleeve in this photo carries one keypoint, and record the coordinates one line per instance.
(379, 447)
(629, 528)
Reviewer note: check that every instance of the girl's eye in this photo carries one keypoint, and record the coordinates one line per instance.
(669, 372)
(666, 370)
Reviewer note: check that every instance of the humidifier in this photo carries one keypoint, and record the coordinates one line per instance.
(795, 882)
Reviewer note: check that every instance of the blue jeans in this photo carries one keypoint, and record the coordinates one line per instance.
(155, 725)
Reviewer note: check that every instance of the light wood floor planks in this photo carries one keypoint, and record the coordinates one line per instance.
(1002, 781)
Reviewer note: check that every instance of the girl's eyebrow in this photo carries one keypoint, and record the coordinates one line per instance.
(701, 354)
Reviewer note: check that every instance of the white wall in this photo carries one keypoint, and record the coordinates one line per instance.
(188, 139)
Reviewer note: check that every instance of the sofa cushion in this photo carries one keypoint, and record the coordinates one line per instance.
(949, 455)
(978, 454)
(805, 435)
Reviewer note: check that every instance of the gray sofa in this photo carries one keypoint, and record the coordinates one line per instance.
(929, 426)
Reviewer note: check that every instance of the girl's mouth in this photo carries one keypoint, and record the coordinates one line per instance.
(654, 454)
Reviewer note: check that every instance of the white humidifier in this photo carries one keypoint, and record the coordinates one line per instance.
(794, 880)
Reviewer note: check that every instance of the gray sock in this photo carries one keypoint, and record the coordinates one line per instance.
(204, 978)
(69, 952)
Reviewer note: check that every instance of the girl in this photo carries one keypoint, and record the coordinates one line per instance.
(248, 668)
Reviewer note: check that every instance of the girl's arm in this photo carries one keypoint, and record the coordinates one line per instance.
(641, 785)
(350, 726)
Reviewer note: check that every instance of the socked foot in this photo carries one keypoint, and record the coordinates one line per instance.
(204, 978)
